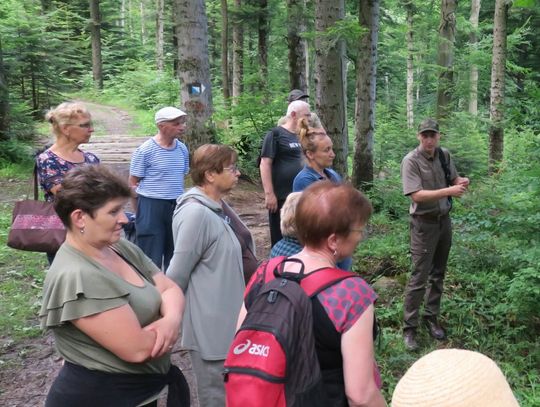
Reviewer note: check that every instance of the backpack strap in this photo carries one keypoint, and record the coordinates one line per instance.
(319, 280)
(446, 169)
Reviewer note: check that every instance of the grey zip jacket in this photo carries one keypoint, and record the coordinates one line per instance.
(207, 265)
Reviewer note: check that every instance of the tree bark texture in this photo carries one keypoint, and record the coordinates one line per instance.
(366, 78)
(238, 53)
(298, 49)
(225, 51)
(473, 86)
(445, 59)
(4, 99)
(143, 20)
(330, 79)
(496, 108)
(263, 43)
(160, 6)
(194, 70)
(95, 32)
(409, 7)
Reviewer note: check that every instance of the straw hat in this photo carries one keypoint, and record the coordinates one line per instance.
(453, 378)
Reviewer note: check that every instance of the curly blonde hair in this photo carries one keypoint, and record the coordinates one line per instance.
(309, 132)
(64, 114)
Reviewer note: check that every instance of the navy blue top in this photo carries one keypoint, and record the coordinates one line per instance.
(308, 176)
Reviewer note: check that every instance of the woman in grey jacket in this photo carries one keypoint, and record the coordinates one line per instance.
(207, 265)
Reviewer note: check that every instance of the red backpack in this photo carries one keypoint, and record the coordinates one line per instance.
(272, 360)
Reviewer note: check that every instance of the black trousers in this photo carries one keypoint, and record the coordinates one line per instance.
(274, 221)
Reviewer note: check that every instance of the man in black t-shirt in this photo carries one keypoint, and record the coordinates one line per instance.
(281, 160)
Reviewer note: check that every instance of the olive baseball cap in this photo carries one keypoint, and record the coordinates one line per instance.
(428, 124)
(297, 94)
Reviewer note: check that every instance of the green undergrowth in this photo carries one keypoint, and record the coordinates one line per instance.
(21, 281)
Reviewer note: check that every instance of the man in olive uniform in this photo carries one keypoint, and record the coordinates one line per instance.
(430, 181)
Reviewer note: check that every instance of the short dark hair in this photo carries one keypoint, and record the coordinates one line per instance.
(88, 187)
(210, 157)
(326, 208)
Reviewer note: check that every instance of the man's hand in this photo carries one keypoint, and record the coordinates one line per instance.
(270, 201)
(462, 181)
(457, 190)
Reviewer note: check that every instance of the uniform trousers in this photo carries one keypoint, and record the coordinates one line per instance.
(431, 239)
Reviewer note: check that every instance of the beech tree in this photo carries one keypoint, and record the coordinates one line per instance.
(194, 70)
(238, 52)
(473, 39)
(409, 7)
(160, 5)
(498, 65)
(330, 78)
(366, 76)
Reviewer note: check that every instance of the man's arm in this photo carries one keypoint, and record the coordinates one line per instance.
(266, 178)
(133, 182)
(425, 195)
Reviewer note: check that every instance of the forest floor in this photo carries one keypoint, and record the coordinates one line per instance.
(28, 367)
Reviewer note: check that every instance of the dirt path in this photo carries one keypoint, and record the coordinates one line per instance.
(29, 367)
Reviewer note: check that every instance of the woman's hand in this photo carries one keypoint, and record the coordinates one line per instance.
(172, 307)
(166, 330)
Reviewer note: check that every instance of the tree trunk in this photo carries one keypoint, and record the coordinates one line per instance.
(410, 65)
(123, 14)
(95, 32)
(225, 51)
(330, 79)
(194, 71)
(160, 6)
(473, 90)
(4, 99)
(143, 20)
(174, 15)
(496, 113)
(263, 44)
(298, 50)
(366, 78)
(445, 59)
(238, 54)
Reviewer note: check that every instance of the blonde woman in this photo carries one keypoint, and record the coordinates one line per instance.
(72, 126)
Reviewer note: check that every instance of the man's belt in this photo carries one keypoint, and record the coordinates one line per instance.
(430, 217)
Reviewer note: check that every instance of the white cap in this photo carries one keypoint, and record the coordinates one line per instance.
(168, 113)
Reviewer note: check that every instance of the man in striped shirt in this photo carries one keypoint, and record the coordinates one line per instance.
(157, 172)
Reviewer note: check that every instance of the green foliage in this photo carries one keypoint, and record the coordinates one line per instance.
(21, 279)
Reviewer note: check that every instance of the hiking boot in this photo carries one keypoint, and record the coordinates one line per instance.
(409, 338)
(435, 330)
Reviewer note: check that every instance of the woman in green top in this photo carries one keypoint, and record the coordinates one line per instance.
(114, 315)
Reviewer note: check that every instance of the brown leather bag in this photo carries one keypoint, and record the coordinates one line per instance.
(35, 226)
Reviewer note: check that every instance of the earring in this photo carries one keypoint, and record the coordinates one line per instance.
(335, 253)
(82, 230)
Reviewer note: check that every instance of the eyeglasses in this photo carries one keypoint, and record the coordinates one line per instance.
(87, 125)
(362, 231)
(232, 168)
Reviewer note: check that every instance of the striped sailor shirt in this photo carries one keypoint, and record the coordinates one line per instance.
(161, 170)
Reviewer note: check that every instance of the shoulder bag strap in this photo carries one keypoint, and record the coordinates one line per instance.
(319, 280)
(35, 181)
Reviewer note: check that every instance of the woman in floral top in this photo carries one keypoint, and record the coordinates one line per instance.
(71, 124)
